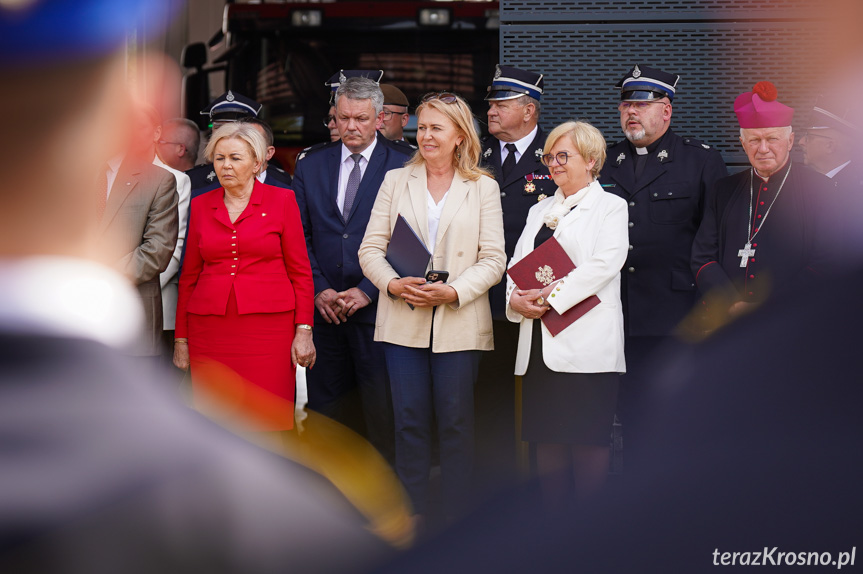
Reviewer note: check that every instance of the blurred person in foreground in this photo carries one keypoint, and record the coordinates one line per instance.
(103, 470)
(178, 146)
(246, 293)
(762, 230)
(433, 349)
(829, 145)
(571, 380)
(336, 186)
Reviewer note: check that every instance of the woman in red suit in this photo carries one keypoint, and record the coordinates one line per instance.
(246, 299)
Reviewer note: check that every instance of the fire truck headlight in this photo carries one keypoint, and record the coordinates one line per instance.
(434, 17)
(306, 17)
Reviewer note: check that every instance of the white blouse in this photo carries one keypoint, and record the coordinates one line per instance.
(434, 213)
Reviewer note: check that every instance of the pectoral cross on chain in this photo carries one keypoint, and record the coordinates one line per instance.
(745, 254)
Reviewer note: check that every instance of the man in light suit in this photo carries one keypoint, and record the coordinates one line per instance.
(139, 226)
(336, 186)
(147, 133)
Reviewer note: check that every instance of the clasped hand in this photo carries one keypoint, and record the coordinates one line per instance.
(523, 302)
(417, 292)
(336, 307)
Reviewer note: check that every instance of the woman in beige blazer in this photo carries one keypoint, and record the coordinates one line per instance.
(433, 350)
(570, 381)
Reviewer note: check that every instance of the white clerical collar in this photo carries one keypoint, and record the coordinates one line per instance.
(366, 153)
(69, 297)
(836, 170)
(522, 144)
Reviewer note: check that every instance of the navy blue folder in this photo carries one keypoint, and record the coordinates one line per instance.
(407, 253)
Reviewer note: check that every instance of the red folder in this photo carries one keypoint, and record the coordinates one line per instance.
(545, 264)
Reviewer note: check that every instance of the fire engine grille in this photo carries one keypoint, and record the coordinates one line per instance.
(717, 60)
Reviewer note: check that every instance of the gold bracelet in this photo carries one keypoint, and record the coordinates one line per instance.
(304, 326)
(186, 341)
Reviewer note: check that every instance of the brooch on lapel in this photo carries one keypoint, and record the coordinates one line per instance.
(540, 197)
(211, 176)
(620, 158)
(486, 153)
(662, 155)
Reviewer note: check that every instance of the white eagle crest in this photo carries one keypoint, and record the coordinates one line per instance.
(545, 275)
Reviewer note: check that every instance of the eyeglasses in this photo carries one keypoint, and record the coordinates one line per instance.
(328, 120)
(388, 114)
(445, 97)
(561, 157)
(640, 106)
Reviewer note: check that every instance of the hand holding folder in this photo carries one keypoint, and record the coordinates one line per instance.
(406, 253)
(542, 266)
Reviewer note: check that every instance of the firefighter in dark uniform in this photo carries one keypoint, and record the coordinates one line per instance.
(664, 178)
(512, 153)
(229, 107)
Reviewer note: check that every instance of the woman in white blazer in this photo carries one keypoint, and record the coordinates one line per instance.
(433, 350)
(570, 381)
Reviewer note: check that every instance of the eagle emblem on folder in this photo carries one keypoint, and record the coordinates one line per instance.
(545, 275)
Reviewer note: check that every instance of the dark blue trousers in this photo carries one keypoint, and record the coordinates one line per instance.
(440, 385)
(350, 373)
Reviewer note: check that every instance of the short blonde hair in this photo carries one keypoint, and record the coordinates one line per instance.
(588, 142)
(241, 131)
(465, 160)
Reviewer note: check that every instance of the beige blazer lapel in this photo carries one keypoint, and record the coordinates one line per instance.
(124, 183)
(417, 189)
(454, 200)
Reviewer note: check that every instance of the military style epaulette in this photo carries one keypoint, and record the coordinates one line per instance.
(315, 148)
(695, 142)
(403, 145)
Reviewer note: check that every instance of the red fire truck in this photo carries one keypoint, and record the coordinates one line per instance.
(281, 55)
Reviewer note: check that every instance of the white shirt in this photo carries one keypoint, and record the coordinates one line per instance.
(262, 177)
(836, 170)
(113, 169)
(69, 297)
(347, 166)
(434, 212)
(520, 146)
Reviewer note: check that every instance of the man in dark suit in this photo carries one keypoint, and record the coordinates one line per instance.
(512, 153)
(336, 186)
(102, 469)
(664, 178)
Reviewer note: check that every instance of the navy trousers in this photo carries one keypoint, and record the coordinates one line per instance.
(440, 385)
(349, 377)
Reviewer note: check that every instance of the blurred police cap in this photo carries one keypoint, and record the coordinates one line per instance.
(46, 32)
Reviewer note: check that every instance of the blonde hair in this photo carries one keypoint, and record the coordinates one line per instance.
(465, 160)
(588, 142)
(241, 131)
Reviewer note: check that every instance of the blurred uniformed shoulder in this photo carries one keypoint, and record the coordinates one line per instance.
(312, 149)
(695, 142)
(400, 145)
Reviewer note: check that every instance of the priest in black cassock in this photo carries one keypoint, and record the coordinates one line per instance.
(761, 230)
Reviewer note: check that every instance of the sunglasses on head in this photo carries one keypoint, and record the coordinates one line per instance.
(445, 97)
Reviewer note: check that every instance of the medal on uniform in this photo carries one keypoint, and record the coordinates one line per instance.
(529, 187)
